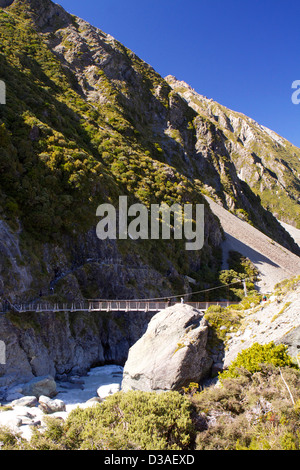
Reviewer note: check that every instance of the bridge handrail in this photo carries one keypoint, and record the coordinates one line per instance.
(92, 305)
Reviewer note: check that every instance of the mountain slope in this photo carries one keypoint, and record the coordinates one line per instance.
(268, 163)
(87, 121)
(273, 262)
(135, 99)
(62, 156)
(277, 320)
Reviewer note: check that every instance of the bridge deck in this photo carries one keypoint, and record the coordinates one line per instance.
(105, 306)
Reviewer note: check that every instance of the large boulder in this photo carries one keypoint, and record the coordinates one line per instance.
(171, 354)
(38, 386)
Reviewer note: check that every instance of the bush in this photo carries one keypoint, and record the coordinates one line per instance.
(133, 420)
(252, 359)
(250, 412)
(9, 440)
(223, 320)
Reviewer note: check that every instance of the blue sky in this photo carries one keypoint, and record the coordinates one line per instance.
(242, 53)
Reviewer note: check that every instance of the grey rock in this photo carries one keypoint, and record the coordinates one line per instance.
(292, 340)
(171, 354)
(25, 401)
(94, 400)
(272, 322)
(51, 406)
(106, 390)
(216, 368)
(70, 386)
(61, 377)
(18, 422)
(26, 421)
(60, 344)
(11, 397)
(40, 386)
(76, 380)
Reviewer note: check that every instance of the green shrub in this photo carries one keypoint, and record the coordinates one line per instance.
(133, 420)
(9, 440)
(252, 359)
(250, 412)
(221, 320)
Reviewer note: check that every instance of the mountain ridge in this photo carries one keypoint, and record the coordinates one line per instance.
(94, 122)
(256, 152)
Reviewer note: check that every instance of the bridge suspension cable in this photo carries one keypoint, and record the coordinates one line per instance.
(188, 294)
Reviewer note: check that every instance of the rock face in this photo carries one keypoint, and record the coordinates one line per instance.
(131, 120)
(5, 3)
(171, 354)
(103, 73)
(53, 344)
(277, 320)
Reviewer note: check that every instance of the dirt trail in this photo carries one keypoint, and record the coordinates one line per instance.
(274, 262)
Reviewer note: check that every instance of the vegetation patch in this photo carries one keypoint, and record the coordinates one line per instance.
(257, 407)
(253, 359)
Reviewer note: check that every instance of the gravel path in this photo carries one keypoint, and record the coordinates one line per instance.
(274, 262)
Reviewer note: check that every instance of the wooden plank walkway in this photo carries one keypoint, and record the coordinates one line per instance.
(105, 306)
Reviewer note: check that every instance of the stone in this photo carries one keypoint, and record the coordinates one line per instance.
(25, 401)
(38, 386)
(63, 345)
(93, 400)
(10, 420)
(30, 422)
(106, 390)
(171, 354)
(10, 397)
(51, 406)
(61, 377)
(271, 322)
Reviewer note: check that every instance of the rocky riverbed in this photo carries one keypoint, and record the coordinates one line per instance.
(46, 397)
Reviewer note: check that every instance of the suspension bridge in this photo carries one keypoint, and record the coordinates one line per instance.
(93, 305)
(104, 306)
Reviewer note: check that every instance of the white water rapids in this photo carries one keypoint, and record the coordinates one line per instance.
(109, 378)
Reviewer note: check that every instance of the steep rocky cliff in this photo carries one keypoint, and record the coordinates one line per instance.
(51, 344)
